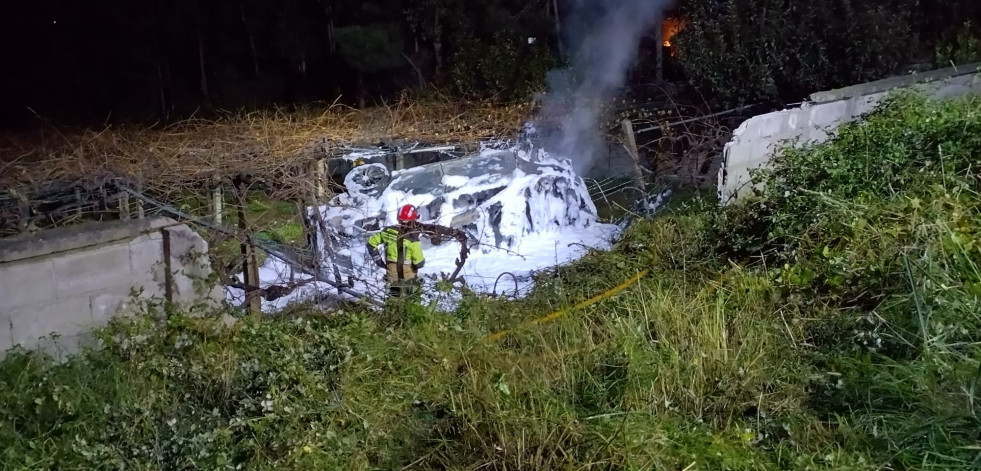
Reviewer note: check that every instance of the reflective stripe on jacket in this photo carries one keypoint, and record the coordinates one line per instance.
(411, 251)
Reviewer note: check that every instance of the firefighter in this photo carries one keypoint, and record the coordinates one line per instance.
(403, 251)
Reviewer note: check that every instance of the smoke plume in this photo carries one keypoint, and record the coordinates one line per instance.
(601, 38)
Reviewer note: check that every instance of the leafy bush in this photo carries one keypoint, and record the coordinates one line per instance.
(369, 48)
(747, 51)
(964, 49)
(883, 226)
(506, 67)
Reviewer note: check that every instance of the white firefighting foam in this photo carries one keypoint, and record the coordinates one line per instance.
(524, 211)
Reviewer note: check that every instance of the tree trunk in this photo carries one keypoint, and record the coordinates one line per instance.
(438, 43)
(329, 11)
(205, 93)
(167, 78)
(558, 24)
(161, 59)
(303, 65)
(248, 32)
(361, 89)
(250, 266)
(419, 74)
(162, 93)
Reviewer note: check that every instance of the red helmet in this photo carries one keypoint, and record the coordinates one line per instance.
(408, 213)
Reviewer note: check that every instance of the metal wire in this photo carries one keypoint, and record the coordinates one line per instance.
(515, 278)
(267, 247)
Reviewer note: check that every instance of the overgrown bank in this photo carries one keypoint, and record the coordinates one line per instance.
(832, 324)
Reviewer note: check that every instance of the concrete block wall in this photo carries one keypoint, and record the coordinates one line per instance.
(757, 139)
(57, 286)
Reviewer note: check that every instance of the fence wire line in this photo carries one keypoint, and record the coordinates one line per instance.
(371, 293)
(318, 275)
(114, 191)
(76, 202)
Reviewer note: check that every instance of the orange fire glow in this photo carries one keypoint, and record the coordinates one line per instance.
(669, 28)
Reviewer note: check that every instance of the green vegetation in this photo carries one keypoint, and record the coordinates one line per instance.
(280, 220)
(750, 51)
(505, 67)
(964, 48)
(832, 323)
(784, 51)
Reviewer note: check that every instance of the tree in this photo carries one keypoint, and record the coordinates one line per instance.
(746, 51)
(368, 49)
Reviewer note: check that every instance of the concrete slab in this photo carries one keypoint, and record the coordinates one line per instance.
(6, 336)
(753, 143)
(68, 238)
(772, 123)
(23, 284)
(189, 264)
(61, 349)
(107, 305)
(147, 266)
(893, 83)
(91, 270)
(70, 283)
(828, 114)
(66, 317)
(866, 104)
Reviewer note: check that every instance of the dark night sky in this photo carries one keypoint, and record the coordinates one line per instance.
(77, 62)
(85, 62)
(72, 61)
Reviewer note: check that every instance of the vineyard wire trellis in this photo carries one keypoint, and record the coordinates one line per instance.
(277, 252)
(297, 259)
(117, 200)
(301, 180)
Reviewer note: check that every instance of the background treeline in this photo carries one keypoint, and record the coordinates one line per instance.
(160, 60)
(739, 51)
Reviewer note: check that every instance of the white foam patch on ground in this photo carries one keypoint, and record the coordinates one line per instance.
(489, 265)
(276, 272)
(524, 211)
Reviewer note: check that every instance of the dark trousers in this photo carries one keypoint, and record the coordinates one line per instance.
(399, 286)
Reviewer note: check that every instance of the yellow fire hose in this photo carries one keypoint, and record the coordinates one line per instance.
(557, 314)
(711, 288)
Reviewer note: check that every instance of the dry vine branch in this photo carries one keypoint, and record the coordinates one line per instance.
(261, 143)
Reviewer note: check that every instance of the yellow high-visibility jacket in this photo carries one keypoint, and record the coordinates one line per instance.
(409, 252)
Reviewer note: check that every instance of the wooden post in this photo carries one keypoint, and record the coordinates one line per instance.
(105, 202)
(78, 198)
(140, 212)
(249, 264)
(217, 204)
(23, 210)
(318, 172)
(309, 233)
(630, 143)
(124, 205)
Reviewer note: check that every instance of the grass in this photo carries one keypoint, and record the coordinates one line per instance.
(280, 222)
(832, 323)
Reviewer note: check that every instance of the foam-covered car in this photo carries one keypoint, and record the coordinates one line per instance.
(496, 197)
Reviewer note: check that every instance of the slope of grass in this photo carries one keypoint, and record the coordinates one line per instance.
(833, 323)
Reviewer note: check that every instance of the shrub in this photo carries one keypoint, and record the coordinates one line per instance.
(883, 225)
(505, 67)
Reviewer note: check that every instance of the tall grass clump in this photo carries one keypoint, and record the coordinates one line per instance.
(831, 322)
(878, 232)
